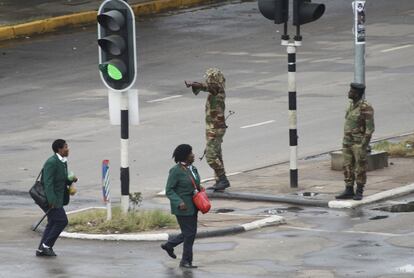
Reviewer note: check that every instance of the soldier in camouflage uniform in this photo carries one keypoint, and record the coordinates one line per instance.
(215, 122)
(358, 129)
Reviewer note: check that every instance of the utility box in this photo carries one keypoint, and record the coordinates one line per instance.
(376, 160)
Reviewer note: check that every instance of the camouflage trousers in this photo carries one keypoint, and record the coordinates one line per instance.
(214, 154)
(355, 164)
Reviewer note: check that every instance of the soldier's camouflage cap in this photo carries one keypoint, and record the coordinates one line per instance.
(214, 75)
(358, 87)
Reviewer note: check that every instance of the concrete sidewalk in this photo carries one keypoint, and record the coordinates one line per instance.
(318, 184)
(20, 19)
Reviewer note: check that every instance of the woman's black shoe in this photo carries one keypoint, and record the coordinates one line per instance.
(187, 265)
(45, 252)
(169, 250)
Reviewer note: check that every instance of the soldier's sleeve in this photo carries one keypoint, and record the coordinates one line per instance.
(214, 88)
(202, 88)
(368, 114)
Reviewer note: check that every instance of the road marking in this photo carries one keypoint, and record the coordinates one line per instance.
(345, 232)
(396, 48)
(163, 99)
(258, 124)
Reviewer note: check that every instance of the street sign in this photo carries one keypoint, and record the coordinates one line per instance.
(117, 47)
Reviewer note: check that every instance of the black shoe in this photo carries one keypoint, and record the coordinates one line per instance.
(169, 250)
(222, 184)
(187, 265)
(347, 194)
(45, 252)
(359, 192)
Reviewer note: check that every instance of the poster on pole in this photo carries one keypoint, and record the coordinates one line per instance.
(359, 26)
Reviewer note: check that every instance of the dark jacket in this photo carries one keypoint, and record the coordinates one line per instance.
(55, 181)
(179, 189)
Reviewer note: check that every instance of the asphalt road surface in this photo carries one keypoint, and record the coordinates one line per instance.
(51, 89)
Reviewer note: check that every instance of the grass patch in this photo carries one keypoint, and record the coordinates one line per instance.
(94, 221)
(404, 148)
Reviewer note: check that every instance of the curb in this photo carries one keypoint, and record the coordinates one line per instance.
(268, 198)
(392, 193)
(83, 18)
(241, 228)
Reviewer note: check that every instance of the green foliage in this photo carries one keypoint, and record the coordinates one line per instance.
(94, 221)
(135, 199)
(404, 148)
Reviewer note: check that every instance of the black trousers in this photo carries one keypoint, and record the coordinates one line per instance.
(188, 226)
(56, 222)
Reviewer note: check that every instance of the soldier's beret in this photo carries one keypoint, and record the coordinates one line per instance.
(358, 87)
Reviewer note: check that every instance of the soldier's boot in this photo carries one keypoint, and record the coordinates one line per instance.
(347, 194)
(222, 183)
(359, 192)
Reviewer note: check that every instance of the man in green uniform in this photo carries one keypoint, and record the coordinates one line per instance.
(215, 122)
(358, 129)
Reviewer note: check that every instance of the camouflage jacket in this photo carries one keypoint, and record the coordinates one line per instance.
(359, 123)
(215, 105)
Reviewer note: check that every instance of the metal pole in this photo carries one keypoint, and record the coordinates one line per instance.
(293, 137)
(124, 153)
(359, 41)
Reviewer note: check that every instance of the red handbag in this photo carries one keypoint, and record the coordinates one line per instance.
(200, 198)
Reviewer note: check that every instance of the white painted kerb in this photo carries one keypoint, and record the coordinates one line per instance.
(396, 192)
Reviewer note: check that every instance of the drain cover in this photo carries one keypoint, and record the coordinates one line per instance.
(307, 194)
(378, 217)
(224, 210)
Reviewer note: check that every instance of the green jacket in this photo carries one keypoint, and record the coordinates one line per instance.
(179, 189)
(55, 180)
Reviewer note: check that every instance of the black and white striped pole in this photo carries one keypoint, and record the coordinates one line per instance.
(293, 133)
(124, 152)
(303, 12)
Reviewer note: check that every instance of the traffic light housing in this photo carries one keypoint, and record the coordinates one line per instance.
(304, 11)
(276, 10)
(117, 48)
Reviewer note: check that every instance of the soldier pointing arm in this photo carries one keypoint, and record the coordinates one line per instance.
(215, 122)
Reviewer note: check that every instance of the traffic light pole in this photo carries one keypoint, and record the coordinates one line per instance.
(293, 134)
(124, 152)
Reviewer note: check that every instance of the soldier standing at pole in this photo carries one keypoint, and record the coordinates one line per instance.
(358, 129)
(215, 122)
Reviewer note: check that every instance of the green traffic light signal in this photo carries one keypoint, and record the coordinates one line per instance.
(115, 69)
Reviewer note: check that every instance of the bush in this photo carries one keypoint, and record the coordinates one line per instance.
(404, 148)
(94, 221)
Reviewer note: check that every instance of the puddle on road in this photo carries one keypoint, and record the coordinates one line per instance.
(223, 246)
(408, 268)
(407, 207)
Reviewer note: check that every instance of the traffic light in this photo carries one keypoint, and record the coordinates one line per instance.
(117, 49)
(304, 11)
(277, 10)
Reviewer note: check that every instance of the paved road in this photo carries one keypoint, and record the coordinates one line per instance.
(51, 89)
(316, 243)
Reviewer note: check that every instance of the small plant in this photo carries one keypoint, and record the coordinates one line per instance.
(404, 148)
(135, 199)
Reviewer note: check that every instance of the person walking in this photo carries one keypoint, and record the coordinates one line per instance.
(358, 129)
(215, 122)
(182, 179)
(56, 181)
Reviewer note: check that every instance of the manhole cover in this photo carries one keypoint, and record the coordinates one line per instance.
(408, 207)
(224, 210)
(307, 194)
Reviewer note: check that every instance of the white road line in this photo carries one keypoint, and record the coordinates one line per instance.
(163, 99)
(345, 232)
(258, 124)
(396, 48)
